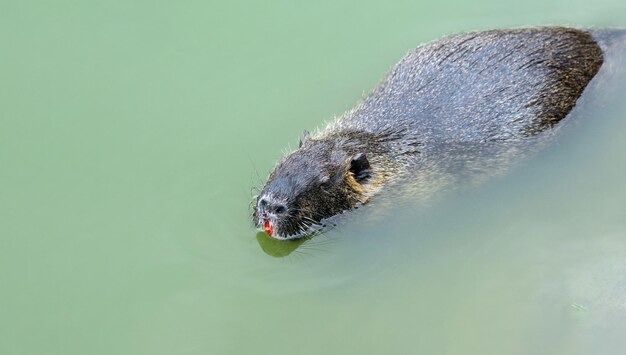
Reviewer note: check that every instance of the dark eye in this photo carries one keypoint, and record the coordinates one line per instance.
(280, 209)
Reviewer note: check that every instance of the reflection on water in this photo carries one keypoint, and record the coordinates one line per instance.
(275, 247)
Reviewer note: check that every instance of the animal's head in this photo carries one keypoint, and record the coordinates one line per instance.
(321, 179)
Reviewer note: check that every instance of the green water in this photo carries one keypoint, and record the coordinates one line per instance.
(128, 136)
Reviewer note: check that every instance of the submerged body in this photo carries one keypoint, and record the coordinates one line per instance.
(463, 107)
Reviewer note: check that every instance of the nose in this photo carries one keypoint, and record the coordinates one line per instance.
(268, 206)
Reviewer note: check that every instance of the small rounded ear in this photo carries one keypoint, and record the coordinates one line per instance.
(324, 180)
(305, 136)
(360, 168)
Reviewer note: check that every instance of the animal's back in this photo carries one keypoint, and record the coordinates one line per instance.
(483, 86)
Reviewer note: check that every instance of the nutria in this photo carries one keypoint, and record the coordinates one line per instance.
(462, 106)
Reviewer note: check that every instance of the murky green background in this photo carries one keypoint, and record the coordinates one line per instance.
(128, 135)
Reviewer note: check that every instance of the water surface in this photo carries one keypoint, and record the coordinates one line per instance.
(129, 138)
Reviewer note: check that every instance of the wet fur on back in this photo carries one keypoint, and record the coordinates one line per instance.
(481, 86)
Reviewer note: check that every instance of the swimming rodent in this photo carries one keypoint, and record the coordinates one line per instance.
(461, 107)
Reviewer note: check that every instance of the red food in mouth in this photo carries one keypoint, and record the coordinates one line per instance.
(269, 229)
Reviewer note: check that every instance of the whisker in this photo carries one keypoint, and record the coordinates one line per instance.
(256, 171)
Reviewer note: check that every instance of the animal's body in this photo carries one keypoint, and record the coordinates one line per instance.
(463, 106)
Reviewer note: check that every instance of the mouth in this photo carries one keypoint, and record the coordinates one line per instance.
(268, 227)
(274, 231)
